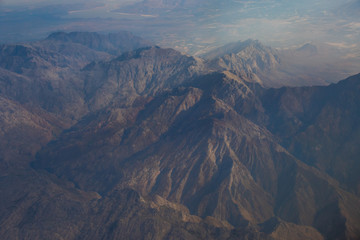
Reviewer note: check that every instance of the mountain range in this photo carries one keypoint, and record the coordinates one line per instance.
(111, 137)
(306, 65)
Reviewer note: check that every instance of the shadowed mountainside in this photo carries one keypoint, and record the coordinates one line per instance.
(320, 126)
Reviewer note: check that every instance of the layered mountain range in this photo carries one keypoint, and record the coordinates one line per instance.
(109, 137)
(306, 65)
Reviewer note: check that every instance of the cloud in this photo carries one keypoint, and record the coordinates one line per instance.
(341, 45)
(354, 26)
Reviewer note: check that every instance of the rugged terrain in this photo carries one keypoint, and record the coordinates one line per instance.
(112, 139)
(306, 65)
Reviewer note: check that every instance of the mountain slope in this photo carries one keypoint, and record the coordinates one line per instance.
(195, 147)
(23, 132)
(138, 73)
(320, 126)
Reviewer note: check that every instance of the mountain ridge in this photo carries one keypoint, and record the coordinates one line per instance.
(154, 144)
(213, 127)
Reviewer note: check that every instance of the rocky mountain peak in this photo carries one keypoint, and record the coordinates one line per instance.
(142, 72)
(250, 59)
(308, 48)
(237, 47)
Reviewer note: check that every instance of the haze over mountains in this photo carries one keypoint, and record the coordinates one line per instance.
(197, 27)
(308, 64)
(110, 137)
(189, 26)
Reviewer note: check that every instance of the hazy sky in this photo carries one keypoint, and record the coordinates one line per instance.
(189, 24)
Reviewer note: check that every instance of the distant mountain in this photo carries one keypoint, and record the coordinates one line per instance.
(308, 48)
(61, 49)
(256, 62)
(237, 47)
(156, 144)
(113, 43)
(249, 58)
(40, 73)
(307, 65)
